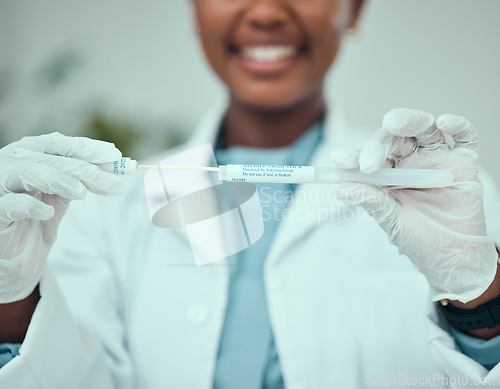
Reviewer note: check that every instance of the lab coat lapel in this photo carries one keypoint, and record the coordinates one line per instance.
(314, 203)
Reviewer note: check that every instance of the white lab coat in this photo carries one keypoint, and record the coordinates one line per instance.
(130, 310)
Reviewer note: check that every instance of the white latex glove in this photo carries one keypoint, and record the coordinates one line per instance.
(442, 231)
(39, 176)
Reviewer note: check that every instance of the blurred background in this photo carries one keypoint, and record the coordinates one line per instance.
(131, 72)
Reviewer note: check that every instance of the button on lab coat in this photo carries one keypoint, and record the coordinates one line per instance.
(123, 305)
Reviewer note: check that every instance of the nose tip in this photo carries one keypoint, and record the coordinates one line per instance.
(266, 14)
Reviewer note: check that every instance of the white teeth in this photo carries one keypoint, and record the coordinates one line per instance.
(269, 53)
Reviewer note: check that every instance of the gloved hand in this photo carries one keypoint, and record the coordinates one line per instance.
(442, 231)
(39, 176)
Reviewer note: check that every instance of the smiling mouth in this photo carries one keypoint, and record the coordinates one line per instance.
(266, 58)
(268, 53)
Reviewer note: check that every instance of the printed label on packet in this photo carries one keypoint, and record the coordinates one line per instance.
(270, 173)
(120, 167)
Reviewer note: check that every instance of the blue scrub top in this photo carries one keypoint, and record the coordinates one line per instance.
(247, 356)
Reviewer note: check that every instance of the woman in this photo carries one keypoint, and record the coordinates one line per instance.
(312, 304)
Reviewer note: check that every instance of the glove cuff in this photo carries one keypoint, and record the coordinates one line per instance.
(475, 280)
(20, 275)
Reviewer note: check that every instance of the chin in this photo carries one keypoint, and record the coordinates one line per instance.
(271, 100)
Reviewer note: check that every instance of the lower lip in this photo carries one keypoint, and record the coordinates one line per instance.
(267, 69)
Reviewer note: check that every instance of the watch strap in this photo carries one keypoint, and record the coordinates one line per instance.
(486, 315)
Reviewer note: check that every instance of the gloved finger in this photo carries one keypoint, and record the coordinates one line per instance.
(349, 159)
(90, 175)
(345, 158)
(420, 125)
(460, 129)
(376, 202)
(41, 178)
(407, 122)
(85, 149)
(403, 131)
(376, 151)
(381, 150)
(21, 206)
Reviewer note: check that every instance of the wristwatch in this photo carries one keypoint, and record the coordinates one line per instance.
(486, 315)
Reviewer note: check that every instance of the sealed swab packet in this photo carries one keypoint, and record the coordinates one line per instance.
(408, 178)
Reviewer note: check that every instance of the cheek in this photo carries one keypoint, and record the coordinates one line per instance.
(325, 24)
(215, 20)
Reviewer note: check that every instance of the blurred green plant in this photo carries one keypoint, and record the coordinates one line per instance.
(122, 134)
(131, 139)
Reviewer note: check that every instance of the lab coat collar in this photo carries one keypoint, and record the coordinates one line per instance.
(208, 130)
(335, 134)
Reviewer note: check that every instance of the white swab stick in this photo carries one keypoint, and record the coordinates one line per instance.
(202, 168)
